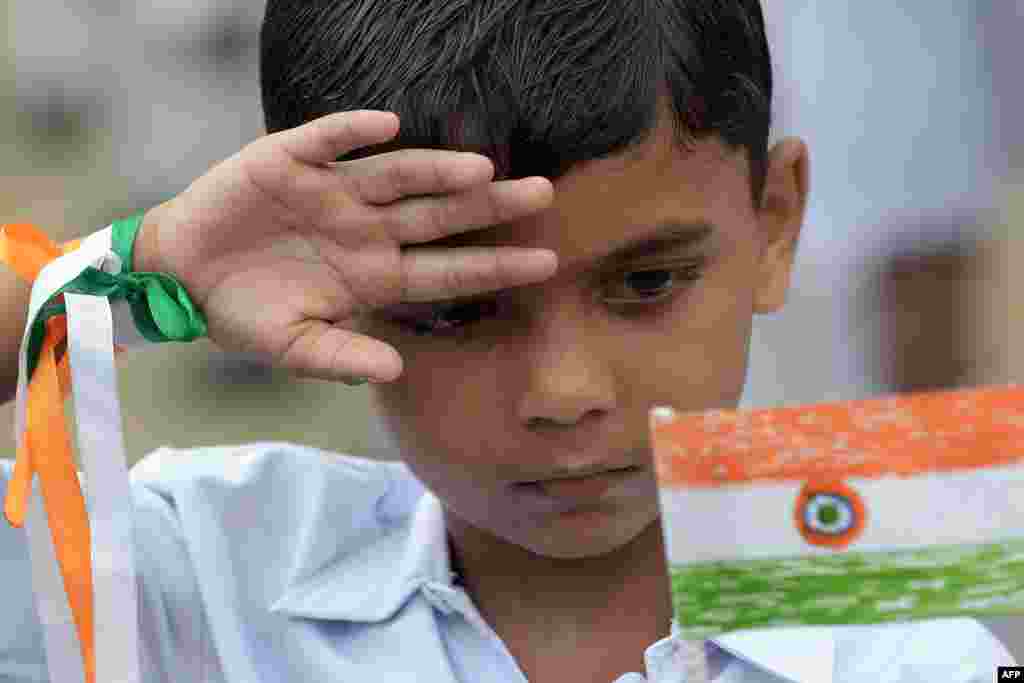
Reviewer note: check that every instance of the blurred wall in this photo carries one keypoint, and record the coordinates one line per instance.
(898, 102)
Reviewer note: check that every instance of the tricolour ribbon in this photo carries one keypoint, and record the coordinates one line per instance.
(44, 449)
(68, 347)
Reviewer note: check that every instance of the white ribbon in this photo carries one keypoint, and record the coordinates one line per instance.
(91, 335)
(109, 496)
(63, 654)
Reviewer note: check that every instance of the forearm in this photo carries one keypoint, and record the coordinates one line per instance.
(14, 298)
(15, 294)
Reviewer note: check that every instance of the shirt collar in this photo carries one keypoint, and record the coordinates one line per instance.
(799, 654)
(370, 584)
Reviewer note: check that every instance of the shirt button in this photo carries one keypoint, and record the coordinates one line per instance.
(439, 596)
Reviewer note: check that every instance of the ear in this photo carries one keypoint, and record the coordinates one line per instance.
(780, 218)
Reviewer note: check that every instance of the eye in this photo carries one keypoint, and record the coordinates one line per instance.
(443, 317)
(649, 285)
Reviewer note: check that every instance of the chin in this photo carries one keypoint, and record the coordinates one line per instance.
(581, 538)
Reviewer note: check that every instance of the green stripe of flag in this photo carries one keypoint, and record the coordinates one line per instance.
(850, 588)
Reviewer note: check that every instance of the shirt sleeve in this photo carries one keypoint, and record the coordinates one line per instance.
(954, 650)
(22, 658)
(173, 631)
(959, 650)
(174, 634)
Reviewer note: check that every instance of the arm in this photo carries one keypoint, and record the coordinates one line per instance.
(14, 296)
(14, 301)
(174, 638)
(951, 650)
(22, 659)
(277, 217)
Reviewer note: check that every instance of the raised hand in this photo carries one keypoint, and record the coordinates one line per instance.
(281, 247)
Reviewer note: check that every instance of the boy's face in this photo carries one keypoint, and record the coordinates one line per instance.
(543, 381)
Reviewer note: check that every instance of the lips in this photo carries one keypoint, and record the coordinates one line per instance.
(582, 473)
(571, 492)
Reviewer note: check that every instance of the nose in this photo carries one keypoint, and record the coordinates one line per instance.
(566, 378)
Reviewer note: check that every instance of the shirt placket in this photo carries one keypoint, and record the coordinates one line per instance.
(669, 667)
(451, 600)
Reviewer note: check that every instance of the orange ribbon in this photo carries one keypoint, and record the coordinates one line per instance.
(46, 448)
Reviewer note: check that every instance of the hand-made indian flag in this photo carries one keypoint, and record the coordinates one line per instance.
(890, 509)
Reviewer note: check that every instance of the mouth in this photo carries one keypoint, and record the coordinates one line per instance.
(584, 473)
(583, 486)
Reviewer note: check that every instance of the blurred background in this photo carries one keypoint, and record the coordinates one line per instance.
(912, 111)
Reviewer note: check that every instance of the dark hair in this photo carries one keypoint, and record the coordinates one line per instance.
(536, 85)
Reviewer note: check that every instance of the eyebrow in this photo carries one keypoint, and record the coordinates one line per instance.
(671, 234)
(662, 237)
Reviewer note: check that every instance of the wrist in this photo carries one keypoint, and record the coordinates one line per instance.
(145, 257)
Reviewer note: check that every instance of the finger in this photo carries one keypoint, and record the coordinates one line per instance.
(294, 168)
(323, 140)
(432, 274)
(324, 351)
(427, 219)
(385, 178)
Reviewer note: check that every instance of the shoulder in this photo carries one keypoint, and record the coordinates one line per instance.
(244, 464)
(263, 512)
(275, 484)
(21, 639)
(957, 650)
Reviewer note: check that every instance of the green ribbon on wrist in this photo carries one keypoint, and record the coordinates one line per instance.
(161, 307)
(122, 239)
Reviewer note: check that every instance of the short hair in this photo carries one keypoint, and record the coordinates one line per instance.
(536, 85)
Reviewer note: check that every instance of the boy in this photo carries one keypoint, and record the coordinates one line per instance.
(517, 383)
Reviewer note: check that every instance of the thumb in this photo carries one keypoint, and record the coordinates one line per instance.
(324, 351)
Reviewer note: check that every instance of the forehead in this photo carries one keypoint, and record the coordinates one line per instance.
(606, 203)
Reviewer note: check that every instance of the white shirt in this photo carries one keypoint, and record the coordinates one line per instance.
(275, 562)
